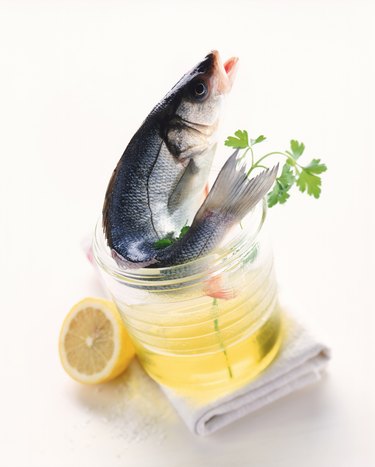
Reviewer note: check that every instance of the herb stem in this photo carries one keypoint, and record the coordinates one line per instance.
(215, 307)
(256, 166)
(249, 148)
(252, 155)
(272, 154)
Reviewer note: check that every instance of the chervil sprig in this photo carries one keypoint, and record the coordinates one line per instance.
(306, 177)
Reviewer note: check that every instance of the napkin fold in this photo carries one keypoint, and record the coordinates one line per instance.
(300, 362)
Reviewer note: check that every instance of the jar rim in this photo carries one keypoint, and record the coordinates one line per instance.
(217, 260)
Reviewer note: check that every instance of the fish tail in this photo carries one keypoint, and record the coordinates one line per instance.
(233, 194)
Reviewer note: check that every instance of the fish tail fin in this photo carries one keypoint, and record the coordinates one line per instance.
(233, 194)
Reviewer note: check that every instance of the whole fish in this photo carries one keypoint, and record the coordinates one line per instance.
(159, 181)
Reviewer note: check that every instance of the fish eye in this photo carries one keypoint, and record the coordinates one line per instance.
(199, 90)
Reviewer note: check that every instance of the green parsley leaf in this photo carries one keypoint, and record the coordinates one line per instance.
(284, 183)
(257, 140)
(239, 140)
(170, 238)
(308, 181)
(286, 178)
(163, 243)
(277, 195)
(316, 167)
(296, 149)
(184, 231)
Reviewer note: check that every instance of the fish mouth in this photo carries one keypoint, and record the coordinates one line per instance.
(230, 67)
(225, 73)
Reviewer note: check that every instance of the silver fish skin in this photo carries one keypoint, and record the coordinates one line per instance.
(159, 181)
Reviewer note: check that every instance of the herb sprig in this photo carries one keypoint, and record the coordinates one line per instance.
(306, 177)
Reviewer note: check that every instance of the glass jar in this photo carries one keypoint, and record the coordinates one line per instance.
(213, 323)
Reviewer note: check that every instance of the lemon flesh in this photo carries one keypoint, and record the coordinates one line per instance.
(94, 345)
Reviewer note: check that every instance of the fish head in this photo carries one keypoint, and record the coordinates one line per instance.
(196, 101)
(203, 90)
(217, 77)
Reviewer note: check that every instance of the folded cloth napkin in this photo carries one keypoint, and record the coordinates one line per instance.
(301, 361)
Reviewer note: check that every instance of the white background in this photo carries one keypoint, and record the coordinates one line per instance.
(77, 79)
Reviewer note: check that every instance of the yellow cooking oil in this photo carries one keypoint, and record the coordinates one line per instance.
(192, 341)
(226, 367)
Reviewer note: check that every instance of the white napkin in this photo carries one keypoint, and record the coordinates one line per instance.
(301, 361)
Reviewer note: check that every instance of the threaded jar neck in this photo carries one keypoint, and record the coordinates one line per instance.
(227, 256)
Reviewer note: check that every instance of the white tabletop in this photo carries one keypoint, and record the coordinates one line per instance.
(77, 79)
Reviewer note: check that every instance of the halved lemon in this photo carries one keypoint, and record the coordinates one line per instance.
(94, 345)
